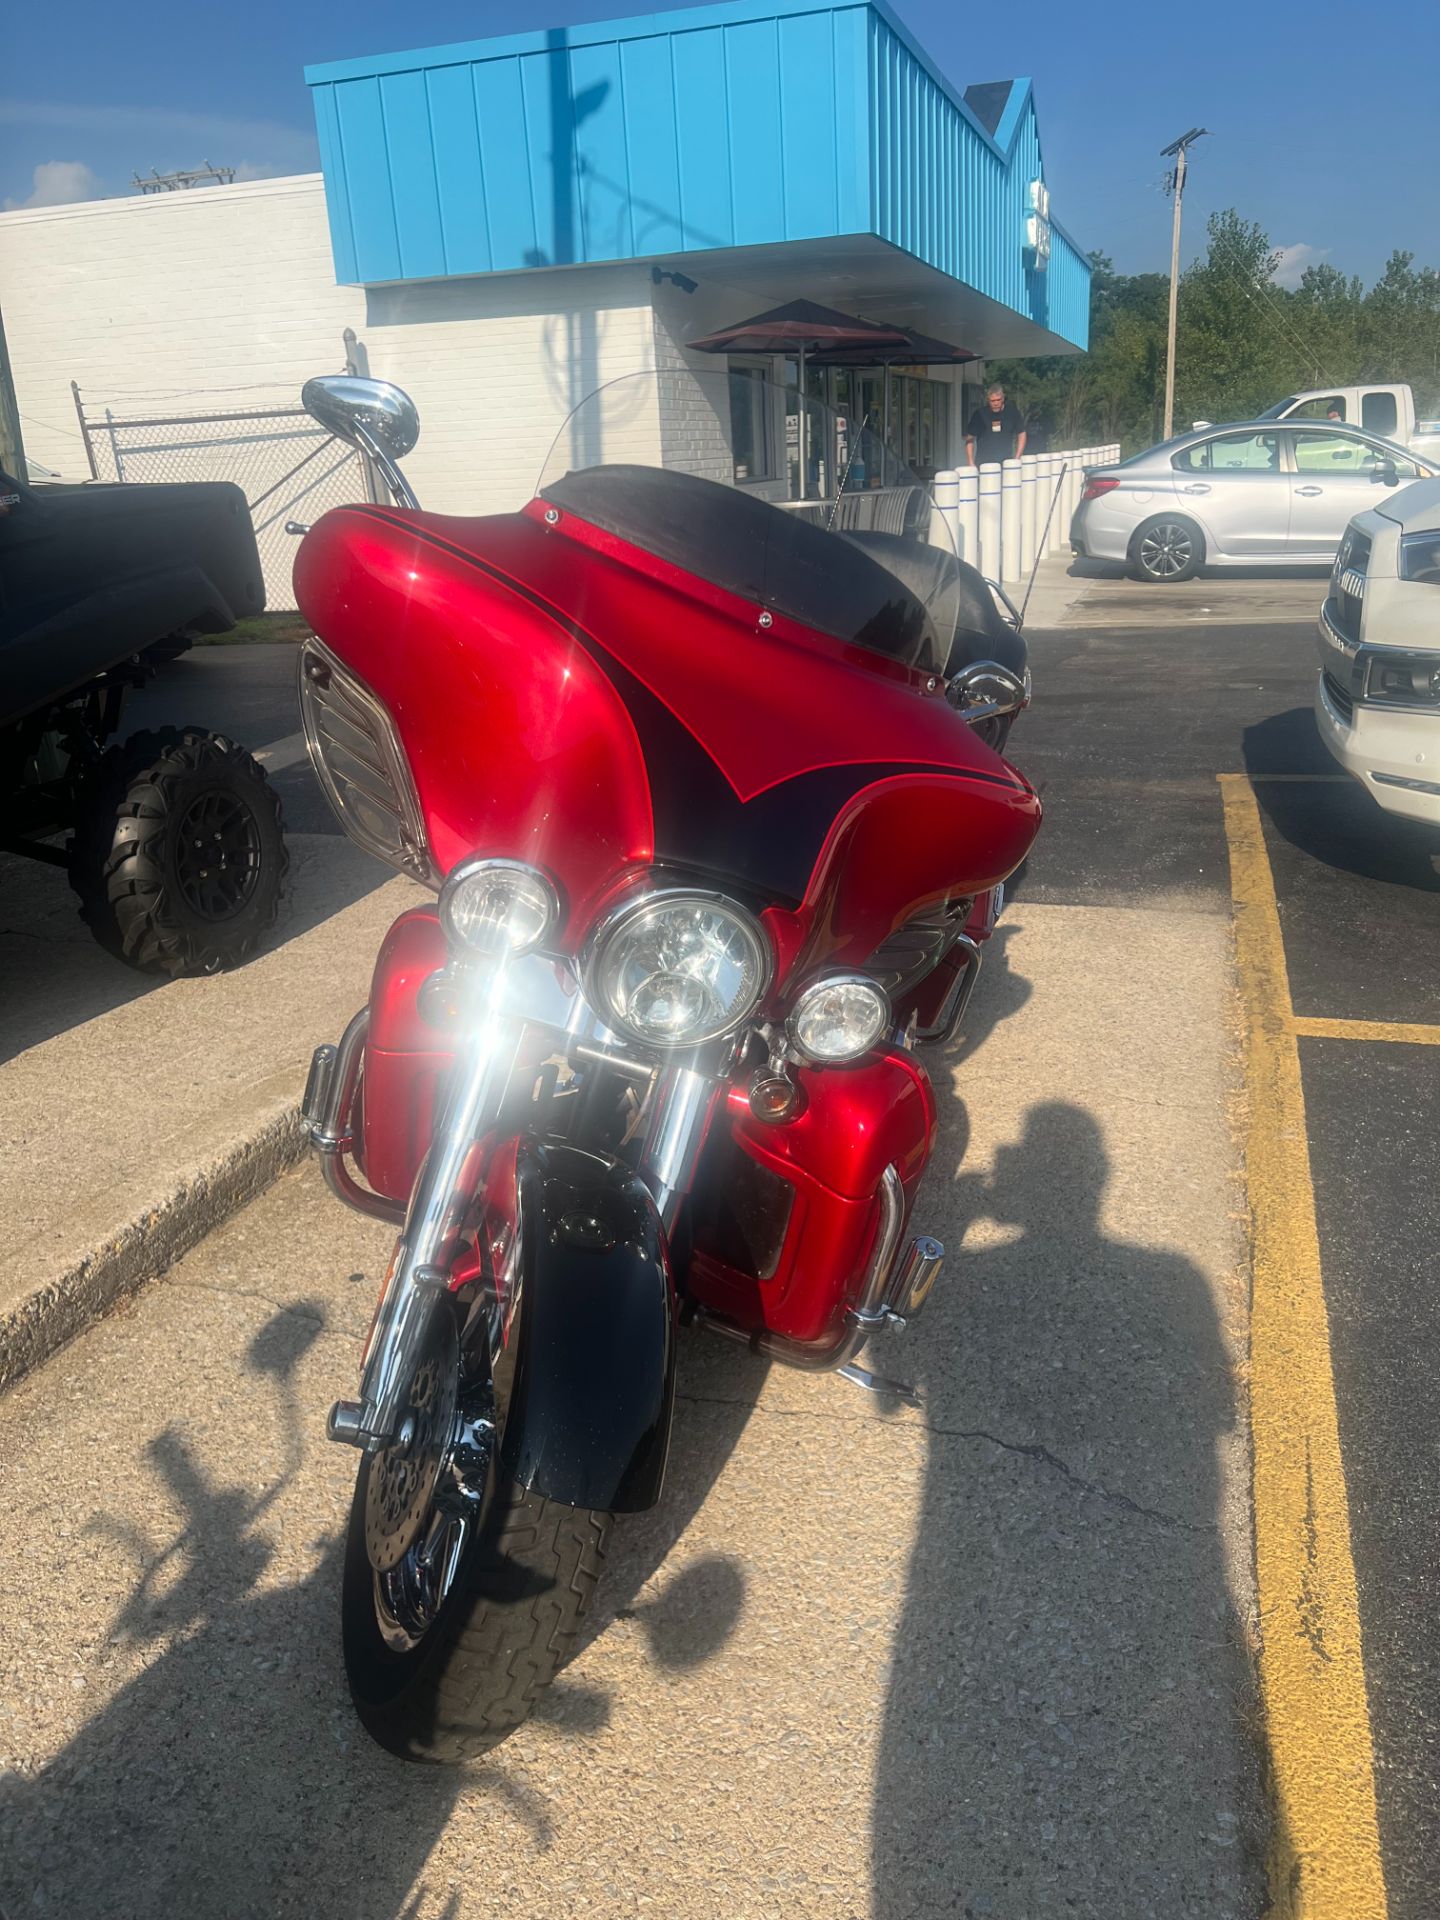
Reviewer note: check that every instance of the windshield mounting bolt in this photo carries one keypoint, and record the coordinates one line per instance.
(767, 619)
(552, 516)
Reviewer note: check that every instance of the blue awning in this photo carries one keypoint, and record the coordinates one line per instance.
(750, 143)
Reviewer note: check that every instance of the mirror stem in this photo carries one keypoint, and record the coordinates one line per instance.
(400, 488)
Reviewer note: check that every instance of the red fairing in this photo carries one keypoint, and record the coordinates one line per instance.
(519, 745)
(856, 1122)
(569, 699)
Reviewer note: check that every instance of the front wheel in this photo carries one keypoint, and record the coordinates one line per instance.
(462, 1592)
(1167, 550)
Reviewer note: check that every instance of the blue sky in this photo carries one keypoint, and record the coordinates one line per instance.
(1325, 128)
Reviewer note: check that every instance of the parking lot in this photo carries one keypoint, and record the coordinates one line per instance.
(1033, 1651)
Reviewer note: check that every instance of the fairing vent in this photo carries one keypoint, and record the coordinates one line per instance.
(918, 947)
(360, 763)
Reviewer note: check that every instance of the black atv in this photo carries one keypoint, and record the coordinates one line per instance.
(175, 844)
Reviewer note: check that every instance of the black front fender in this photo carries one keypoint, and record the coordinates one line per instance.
(590, 1398)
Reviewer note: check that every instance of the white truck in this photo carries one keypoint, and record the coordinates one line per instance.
(1377, 697)
(1388, 411)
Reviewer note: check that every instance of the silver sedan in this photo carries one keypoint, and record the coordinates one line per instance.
(1264, 492)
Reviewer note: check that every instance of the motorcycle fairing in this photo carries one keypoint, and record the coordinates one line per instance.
(569, 699)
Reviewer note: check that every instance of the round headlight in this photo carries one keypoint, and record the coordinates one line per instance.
(497, 907)
(675, 969)
(839, 1018)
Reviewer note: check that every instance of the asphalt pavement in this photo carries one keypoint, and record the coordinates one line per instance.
(995, 1658)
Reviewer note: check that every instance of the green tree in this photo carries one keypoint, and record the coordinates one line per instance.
(1243, 344)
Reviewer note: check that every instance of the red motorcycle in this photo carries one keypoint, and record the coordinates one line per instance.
(710, 789)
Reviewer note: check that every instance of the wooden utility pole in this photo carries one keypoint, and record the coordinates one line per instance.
(1177, 149)
(12, 451)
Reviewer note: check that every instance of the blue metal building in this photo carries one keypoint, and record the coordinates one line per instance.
(805, 147)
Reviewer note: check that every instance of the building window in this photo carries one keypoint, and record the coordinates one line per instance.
(752, 427)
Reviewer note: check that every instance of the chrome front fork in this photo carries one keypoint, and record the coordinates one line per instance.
(430, 1238)
(681, 1104)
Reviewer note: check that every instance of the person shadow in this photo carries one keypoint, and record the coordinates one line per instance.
(1069, 1724)
(229, 1778)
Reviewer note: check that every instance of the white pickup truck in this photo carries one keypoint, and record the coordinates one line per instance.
(1387, 411)
(1377, 698)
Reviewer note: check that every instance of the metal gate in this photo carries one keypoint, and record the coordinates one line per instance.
(286, 464)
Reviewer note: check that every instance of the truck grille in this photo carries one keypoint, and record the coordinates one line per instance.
(1347, 582)
(1339, 697)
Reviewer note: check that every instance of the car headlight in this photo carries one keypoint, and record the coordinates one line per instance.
(839, 1017)
(1394, 677)
(497, 907)
(676, 969)
(1420, 557)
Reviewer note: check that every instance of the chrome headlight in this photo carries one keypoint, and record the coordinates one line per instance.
(676, 969)
(497, 907)
(838, 1017)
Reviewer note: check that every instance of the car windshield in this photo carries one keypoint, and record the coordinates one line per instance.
(802, 508)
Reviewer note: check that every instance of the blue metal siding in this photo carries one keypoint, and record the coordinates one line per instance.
(726, 125)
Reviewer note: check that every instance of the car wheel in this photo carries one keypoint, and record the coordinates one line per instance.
(1166, 550)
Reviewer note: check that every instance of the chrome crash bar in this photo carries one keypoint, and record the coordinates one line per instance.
(326, 1109)
(891, 1291)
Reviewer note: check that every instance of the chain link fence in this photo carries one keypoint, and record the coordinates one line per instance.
(287, 466)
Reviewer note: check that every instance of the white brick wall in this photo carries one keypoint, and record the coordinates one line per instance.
(169, 295)
(225, 298)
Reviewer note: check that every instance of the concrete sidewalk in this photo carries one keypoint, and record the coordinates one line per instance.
(986, 1659)
(134, 1114)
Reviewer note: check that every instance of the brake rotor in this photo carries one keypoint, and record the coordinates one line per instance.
(400, 1489)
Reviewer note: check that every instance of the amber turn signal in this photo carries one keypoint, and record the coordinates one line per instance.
(773, 1098)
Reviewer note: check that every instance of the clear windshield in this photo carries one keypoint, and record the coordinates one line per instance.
(800, 507)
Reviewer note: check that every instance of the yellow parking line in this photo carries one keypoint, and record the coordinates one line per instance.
(1411, 1036)
(1325, 1855)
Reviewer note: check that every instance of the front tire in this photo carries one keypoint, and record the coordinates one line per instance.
(179, 855)
(501, 1633)
(1166, 550)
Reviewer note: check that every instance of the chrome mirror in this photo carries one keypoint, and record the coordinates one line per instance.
(378, 418)
(985, 689)
(356, 409)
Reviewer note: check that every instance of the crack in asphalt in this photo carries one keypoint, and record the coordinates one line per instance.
(1027, 1450)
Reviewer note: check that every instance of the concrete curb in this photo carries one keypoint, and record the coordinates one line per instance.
(146, 1246)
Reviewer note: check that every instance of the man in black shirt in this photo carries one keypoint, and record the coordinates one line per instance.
(996, 431)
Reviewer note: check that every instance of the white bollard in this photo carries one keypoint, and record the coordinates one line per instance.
(967, 514)
(1010, 521)
(1029, 500)
(1051, 518)
(945, 491)
(988, 517)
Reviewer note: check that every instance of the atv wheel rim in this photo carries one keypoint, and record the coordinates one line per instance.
(1166, 550)
(217, 856)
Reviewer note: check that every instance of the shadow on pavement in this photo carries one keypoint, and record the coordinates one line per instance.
(1064, 1731)
(230, 1779)
(1334, 820)
(56, 975)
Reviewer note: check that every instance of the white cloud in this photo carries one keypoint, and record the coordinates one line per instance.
(1294, 260)
(58, 183)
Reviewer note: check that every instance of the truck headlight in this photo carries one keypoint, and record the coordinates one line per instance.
(837, 1018)
(497, 907)
(674, 969)
(1420, 557)
(1394, 677)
